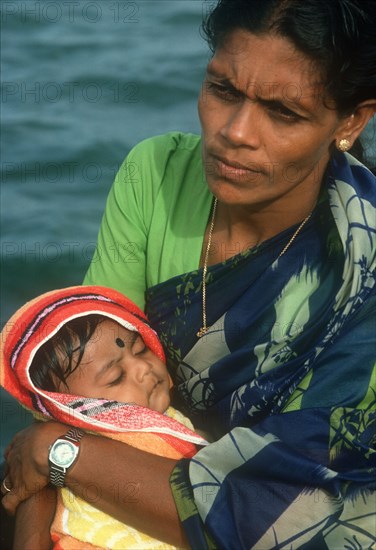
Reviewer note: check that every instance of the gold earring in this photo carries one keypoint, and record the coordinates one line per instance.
(344, 145)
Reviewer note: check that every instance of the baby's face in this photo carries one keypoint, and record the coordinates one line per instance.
(117, 365)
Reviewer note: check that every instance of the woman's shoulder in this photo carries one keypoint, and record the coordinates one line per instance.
(161, 147)
(173, 156)
(348, 169)
(166, 163)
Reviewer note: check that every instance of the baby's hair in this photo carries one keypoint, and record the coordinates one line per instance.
(57, 358)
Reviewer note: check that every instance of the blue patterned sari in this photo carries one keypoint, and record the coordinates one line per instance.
(284, 381)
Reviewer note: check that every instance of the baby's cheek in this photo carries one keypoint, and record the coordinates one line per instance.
(167, 401)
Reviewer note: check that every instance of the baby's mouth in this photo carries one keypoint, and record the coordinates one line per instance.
(156, 384)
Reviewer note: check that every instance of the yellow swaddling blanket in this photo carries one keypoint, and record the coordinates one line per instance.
(79, 525)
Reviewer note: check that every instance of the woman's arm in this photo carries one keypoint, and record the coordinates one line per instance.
(134, 487)
(126, 483)
(33, 521)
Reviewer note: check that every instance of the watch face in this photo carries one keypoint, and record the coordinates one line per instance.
(63, 453)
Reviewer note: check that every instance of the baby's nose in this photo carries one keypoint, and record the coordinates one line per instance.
(142, 368)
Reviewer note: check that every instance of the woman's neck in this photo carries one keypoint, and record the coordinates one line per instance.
(239, 227)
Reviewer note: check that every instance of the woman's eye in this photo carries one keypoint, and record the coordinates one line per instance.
(284, 113)
(223, 92)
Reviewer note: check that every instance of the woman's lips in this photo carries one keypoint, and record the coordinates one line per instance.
(231, 169)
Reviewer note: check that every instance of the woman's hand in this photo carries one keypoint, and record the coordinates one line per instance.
(34, 517)
(27, 462)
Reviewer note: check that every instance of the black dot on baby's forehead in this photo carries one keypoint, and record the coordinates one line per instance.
(119, 342)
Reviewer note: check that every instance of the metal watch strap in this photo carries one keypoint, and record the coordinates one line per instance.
(57, 474)
(73, 434)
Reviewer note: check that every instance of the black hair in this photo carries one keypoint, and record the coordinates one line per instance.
(338, 35)
(57, 358)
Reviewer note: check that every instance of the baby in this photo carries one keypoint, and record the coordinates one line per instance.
(87, 357)
(95, 356)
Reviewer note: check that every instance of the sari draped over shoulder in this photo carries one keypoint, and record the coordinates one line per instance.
(284, 380)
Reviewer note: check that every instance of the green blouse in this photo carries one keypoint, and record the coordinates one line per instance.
(155, 217)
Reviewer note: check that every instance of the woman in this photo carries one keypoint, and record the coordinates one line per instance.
(257, 258)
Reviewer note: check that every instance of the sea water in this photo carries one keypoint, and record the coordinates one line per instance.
(82, 82)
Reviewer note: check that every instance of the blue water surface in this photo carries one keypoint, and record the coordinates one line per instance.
(82, 82)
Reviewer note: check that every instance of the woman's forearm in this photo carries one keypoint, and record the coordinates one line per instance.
(128, 484)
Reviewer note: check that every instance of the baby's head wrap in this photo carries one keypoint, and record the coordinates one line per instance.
(37, 321)
(41, 318)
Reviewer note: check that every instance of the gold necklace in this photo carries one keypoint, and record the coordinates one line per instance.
(204, 329)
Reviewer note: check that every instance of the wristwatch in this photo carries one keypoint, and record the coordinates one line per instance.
(63, 454)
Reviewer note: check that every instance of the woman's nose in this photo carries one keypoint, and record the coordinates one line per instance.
(242, 125)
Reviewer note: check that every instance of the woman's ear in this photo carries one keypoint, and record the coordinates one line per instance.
(354, 124)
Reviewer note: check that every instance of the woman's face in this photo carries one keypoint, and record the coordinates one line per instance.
(266, 130)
